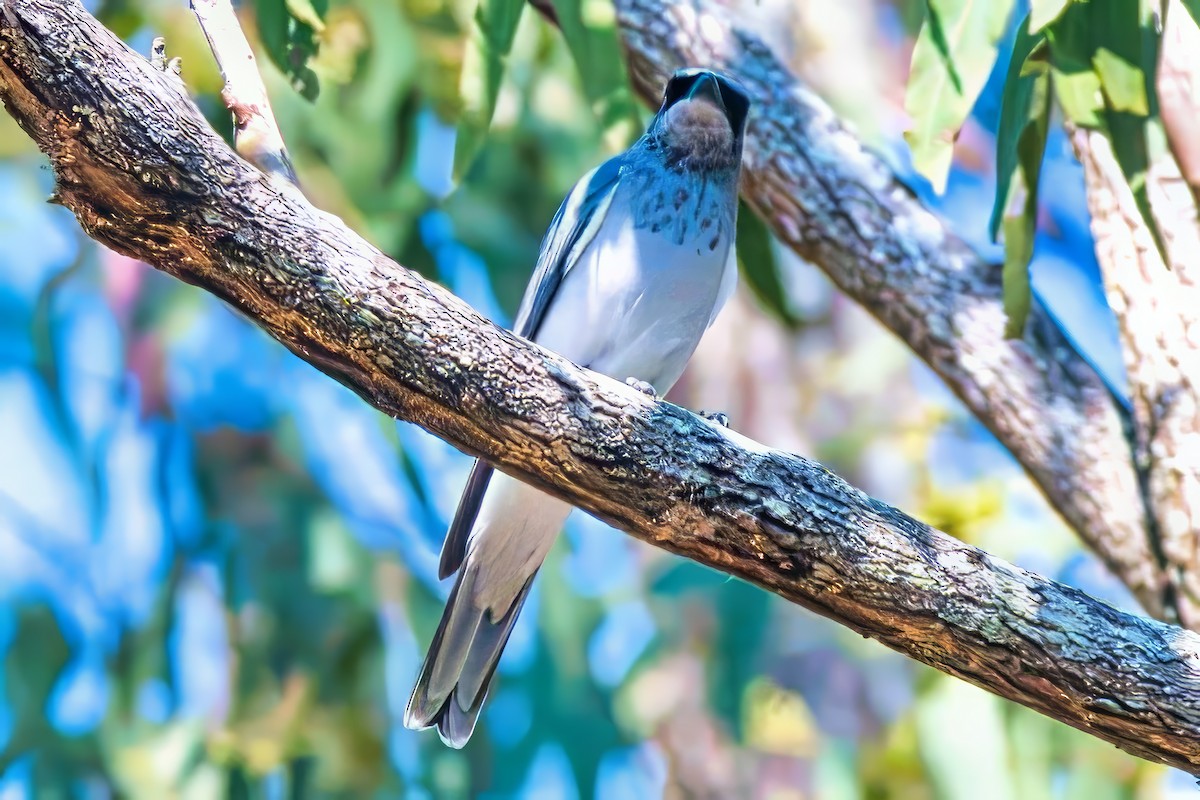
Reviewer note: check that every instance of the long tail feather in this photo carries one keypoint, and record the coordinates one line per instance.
(462, 659)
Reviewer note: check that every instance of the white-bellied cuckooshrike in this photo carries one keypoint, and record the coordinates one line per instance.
(633, 270)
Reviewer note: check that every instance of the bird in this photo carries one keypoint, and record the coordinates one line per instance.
(632, 271)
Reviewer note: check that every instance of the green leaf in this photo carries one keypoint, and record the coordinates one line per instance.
(1018, 252)
(36, 657)
(597, 54)
(1016, 112)
(1103, 56)
(1100, 64)
(760, 267)
(1128, 136)
(491, 38)
(1021, 228)
(497, 20)
(1081, 97)
(288, 29)
(978, 767)
(1043, 12)
(1124, 83)
(309, 12)
(1193, 8)
(951, 60)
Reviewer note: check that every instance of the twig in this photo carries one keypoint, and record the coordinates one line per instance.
(256, 134)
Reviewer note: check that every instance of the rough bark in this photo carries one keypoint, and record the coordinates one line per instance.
(1158, 316)
(843, 209)
(145, 175)
(1177, 83)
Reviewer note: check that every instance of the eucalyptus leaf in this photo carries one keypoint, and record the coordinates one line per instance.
(1020, 229)
(760, 267)
(1043, 12)
(495, 26)
(596, 51)
(951, 60)
(1124, 83)
(288, 29)
(1081, 97)
(1016, 108)
(1103, 58)
(1193, 8)
(309, 12)
(1128, 136)
(1100, 62)
(1018, 252)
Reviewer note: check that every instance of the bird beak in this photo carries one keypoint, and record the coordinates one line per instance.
(707, 88)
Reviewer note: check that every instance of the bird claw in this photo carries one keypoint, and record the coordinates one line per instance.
(158, 57)
(642, 387)
(716, 417)
(158, 53)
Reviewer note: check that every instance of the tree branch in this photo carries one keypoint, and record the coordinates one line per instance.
(840, 207)
(145, 175)
(1158, 316)
(1176, 82)
(256, 134)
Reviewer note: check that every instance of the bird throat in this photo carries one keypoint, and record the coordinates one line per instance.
(699, 137)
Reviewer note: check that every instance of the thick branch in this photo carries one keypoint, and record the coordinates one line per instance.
(1158, 315)
(144, 174)
(839, 206)
(1176, 81)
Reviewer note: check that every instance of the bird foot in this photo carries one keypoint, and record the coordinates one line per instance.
(716, 417)
(158, 57)
(642, 387)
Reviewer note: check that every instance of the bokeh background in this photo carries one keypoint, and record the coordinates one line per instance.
(217, 566)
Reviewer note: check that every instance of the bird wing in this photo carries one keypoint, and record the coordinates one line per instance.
(728, 285)
(572, 229)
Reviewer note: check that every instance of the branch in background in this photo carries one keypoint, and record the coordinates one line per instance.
(840, 207)
(145, 175)
(1158, 315)
(255, 132)
(1177, 81)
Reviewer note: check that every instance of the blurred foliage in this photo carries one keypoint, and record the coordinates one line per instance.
(289, 32)
(951, 60)
(218, 567)
(1020, 145)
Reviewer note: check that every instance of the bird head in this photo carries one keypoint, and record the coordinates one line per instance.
(702, 120)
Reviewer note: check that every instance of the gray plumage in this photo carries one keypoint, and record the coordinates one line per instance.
(633, 269)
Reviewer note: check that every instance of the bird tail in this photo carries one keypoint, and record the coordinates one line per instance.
(453, 683)
(511, 530)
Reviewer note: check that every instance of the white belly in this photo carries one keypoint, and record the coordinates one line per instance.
(636, 304)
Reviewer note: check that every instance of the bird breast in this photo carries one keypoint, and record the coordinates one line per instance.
(642, 293)
(699, 131)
